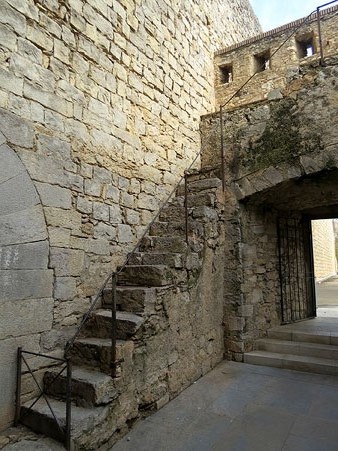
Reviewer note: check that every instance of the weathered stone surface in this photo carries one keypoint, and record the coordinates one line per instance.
(99, 325)
(65, 288)
(23, 227)
(17, 193)
(10, 164)
(132, 299)
(89, 388)
(25, 256)
(25, 284)
(150, 275)
(163, 244)
(95, 352)
(67, 262)
(17, 131)
(54, 196)
(25, 317)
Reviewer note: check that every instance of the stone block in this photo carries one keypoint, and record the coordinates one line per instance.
(16, 194)
(54, 147)
(29, 50)
(146, 201)
(124, 233)
(104, 231)
(65, 288)
(13, 18)
(59, 236)
(92, 187)
(102, 174)
(57, 217)
(7, 37)
(67, 262)
(17, 131)
(25, 284)
(34, 72)
(84, 206)
(112, 193)
(25, 317)
(23, 227)
(48, 99)
(101, 211)
(40, 38)
(115, 214)
(25, 256)
(54, 196)
(10, 164)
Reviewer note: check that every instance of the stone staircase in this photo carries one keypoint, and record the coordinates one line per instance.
(102, 407)
(299, 346)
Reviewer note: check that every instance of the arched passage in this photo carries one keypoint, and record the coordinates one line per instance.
(26, 283)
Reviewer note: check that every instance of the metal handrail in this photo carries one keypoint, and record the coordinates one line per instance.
(294, 31)
(42, 391)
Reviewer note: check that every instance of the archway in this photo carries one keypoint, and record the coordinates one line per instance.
(26, 283)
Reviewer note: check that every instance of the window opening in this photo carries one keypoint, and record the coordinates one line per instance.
(226, 75)
(305, 46)
(262, 61)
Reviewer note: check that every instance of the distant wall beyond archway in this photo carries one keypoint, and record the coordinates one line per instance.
(26, 283)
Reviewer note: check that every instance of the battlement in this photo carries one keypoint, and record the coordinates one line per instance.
(272, 59)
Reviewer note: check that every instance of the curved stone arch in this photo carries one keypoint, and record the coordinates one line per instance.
(271, 177)
(26, 283)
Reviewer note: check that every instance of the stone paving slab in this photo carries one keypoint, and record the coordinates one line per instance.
(244, 407)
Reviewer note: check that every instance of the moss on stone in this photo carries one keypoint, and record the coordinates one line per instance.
(281, 140)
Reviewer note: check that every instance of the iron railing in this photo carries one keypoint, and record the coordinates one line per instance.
(113, 276)
(64, 431)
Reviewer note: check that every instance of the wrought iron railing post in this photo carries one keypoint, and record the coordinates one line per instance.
(18, 386)
(113, 362)
(186, 206)
(68, 406)
(222, 147)
(321, 61)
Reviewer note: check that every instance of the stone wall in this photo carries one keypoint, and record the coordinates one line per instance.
(324, 248)
(100, 100)
(273, 60)
(281, 160)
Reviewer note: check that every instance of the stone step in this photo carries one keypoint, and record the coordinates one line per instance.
(171, 244)
(172, 213)
(99, 324)
(40, 419)
(298, 348)
(164, 228)
(146, 275)
(200, 185)
(293, 362)
(132, 299)
(311, 336)
(89, 387)
(173, 260)
(96, 352)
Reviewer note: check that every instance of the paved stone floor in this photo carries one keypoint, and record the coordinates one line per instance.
(239, 407)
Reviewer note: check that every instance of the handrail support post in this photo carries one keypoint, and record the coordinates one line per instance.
(18, 387)
(186, 206)
(68, 406)
(113, 362)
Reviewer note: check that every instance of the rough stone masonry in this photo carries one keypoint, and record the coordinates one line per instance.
(99, 112)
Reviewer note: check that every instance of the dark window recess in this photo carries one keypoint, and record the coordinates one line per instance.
(305, 46)
(262, 61)
(226, 75)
